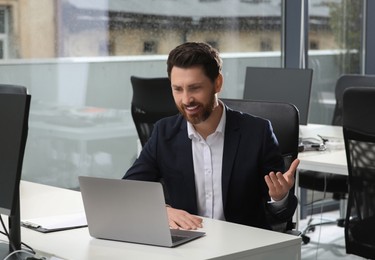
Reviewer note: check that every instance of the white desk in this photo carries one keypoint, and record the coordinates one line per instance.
(223, 240)
(72, 141)
(333, 159)
(326, 161)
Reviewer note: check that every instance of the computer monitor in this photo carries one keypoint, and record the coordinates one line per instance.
(281, 85)
(14, 113)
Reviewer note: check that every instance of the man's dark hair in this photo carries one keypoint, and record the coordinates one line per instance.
(192, 54)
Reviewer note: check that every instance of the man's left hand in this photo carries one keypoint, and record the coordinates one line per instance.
(279, 184)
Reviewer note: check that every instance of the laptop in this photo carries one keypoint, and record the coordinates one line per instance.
(130, 211)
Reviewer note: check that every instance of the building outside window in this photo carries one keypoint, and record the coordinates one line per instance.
(266, 45)
(150, 47)
(338, 51)
(3, 32)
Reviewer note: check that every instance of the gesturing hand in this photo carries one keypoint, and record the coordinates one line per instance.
(180, 219)
(279, 184)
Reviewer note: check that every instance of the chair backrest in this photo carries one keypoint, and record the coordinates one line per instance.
(152, 100)
(359, 137)
(344, 82)
(277, 84)
(284, 118)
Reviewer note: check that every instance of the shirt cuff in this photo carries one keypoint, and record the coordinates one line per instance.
(280, 203)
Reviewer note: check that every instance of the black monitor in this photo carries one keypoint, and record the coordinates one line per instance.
(281, 85)
(14, 113)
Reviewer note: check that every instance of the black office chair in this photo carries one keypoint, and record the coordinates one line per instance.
(152, 100)
(284, 118)
(277, 84)
(359, 136)
(328, 182)
(344, 82)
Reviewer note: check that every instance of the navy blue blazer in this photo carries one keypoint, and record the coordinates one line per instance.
(250, 152)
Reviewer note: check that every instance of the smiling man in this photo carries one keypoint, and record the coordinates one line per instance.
(214, 162)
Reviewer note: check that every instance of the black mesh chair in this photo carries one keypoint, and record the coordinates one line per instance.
(285, 123)
(328, 182)
(152, 100)
(359, 136)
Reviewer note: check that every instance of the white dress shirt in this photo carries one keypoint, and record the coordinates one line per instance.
(207, 160)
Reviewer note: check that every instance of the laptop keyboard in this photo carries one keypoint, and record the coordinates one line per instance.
(177, 238)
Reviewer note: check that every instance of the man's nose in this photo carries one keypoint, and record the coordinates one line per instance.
(186, 98)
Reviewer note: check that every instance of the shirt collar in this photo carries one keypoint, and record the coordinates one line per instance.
(193, 134)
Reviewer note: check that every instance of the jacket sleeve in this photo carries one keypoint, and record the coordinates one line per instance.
(285, 213)
(145, 167)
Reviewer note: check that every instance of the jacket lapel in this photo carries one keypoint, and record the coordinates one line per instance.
(184, 150)
(231, 142)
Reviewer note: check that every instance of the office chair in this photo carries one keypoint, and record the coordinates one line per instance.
(285, 123)
(328, 182)
(276, 84)
(344, 82)
(359, 136)
(152, 100)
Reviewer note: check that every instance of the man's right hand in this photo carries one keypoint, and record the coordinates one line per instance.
(180, 219)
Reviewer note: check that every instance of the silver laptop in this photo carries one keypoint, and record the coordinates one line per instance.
(130, 211)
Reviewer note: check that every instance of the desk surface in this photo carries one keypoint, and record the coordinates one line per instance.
(223, 240)
(120, 124)
(325, 161)
(333, 159)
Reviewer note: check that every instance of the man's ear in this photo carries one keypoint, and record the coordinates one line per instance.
(219, 83)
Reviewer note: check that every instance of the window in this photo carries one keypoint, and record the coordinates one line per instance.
(1, 49)
(334, 49)
(266, 45)
(78, 67)
(314, 45)
(76, 58)
(214, 44)
(150, 47)
(3, 32)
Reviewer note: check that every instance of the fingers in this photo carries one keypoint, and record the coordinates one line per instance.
(271, 181)
(289, 175)
(293, 166)
(278, 187)
(180, 219)
(279, 184)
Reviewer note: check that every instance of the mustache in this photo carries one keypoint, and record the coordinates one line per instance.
(191, 104)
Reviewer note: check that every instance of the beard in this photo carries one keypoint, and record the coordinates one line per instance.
(202, 115)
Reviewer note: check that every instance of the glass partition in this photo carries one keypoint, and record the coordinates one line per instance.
(76, 58)
(335, 28)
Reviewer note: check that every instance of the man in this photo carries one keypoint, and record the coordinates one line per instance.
(214, 162)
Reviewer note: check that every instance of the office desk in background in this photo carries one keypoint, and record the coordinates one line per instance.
(223, 240)
(73, 141)
(332, 160)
